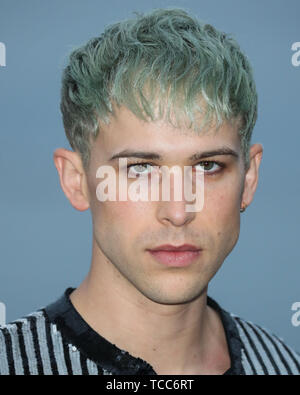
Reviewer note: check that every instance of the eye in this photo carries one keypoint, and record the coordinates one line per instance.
(209, 165)
(143, 169)
(139, 169)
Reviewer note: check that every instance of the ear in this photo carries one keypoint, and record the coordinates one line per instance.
(251, 176)
(72, 177)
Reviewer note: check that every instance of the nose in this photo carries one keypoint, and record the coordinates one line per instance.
(173, 211)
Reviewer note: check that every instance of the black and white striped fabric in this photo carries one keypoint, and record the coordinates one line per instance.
(55, 340)
(263, 353)
(34, 347)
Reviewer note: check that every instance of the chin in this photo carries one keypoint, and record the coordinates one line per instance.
(163, 295)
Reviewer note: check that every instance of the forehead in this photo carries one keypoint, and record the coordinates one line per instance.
(127, 132)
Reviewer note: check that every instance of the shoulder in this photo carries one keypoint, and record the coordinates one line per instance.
(34, 345)
(21, 342)
(263, 352)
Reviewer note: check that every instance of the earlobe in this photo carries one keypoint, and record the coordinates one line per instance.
(69, 168)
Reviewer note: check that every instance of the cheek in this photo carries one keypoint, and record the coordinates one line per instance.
(224, 205)
(117, 226)
(221, 209)
(222, 195)
(121, 217)
(128, 212)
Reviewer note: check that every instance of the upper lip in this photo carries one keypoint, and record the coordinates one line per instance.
(169, 247)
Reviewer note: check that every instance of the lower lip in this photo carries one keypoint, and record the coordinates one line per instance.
(175, 258)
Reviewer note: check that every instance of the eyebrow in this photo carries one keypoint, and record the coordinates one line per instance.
(155, 156)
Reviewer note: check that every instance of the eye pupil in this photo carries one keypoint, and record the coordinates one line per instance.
(208, 164)
(139, 168)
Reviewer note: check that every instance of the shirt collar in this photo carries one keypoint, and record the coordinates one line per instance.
(115, 360)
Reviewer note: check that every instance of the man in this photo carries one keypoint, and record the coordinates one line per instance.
(158, 91)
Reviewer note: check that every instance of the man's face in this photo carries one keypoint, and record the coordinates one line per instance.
(125, 230)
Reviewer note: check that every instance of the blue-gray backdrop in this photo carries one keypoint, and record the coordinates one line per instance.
(46, 244)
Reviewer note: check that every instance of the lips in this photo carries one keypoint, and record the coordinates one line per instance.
(169, 247)
(176, 256)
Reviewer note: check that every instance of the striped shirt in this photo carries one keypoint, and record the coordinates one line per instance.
(55, 340)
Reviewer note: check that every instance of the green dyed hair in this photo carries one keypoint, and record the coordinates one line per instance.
(157, 64)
